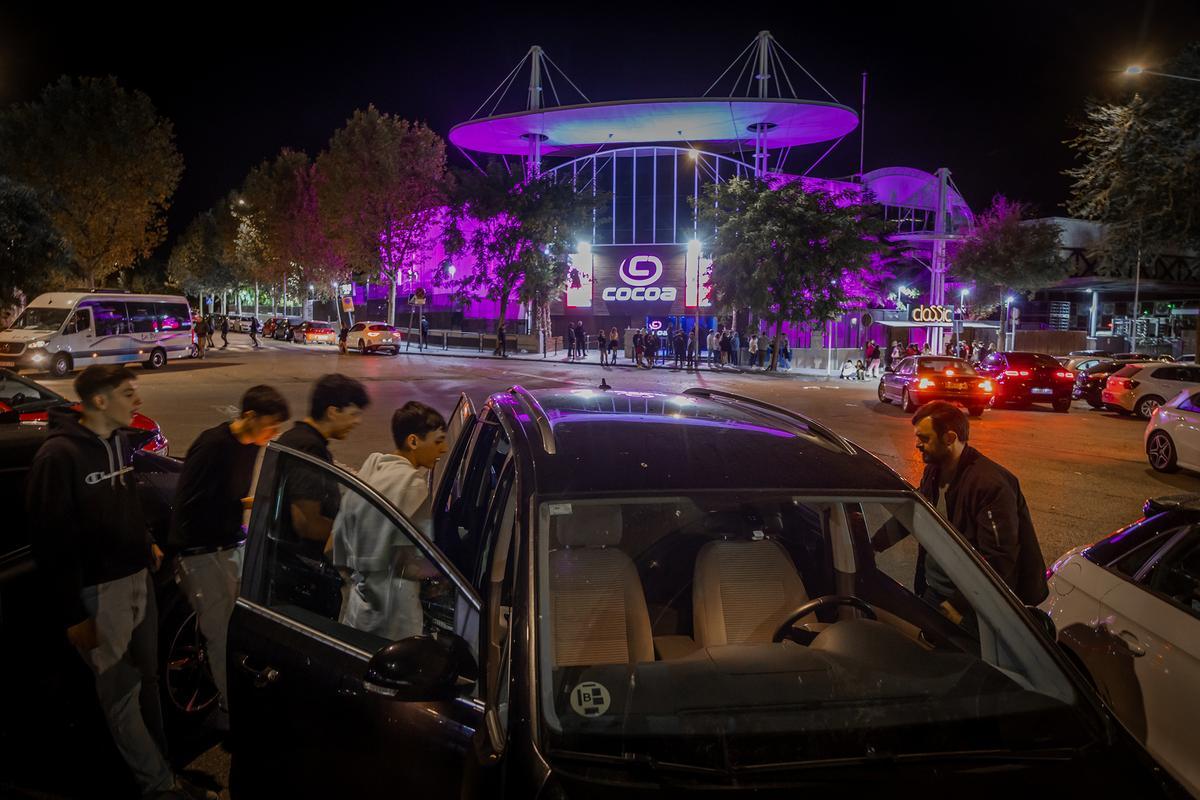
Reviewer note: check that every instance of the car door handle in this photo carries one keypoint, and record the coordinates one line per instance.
(1136, 648)
(262, 677)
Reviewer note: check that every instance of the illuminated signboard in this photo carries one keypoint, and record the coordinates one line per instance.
(636, 279)
(934, 314)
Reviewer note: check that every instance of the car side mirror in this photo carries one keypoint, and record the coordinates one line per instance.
(423, 668)
(1044, 621)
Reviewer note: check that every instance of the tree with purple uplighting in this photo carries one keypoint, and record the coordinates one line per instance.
(381, 187)
(1008, 252)
(793, 255)
(519, 236)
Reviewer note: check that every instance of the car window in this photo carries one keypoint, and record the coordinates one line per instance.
(1176, 576)
(1027, 360)
(1127, 371)
(358, 326)
(994, 360)
(368, 582)
(1167, 374)
(16, 393)
(663, 612)
(143, 316)
(460, 530)
(1190, 374)
(79, 322)
(959, 366)
(906, 367)
(108, 316)
(1191, 404)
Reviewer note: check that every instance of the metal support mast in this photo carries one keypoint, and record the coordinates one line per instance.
(937, 281)
(533, 163)
(763, 76)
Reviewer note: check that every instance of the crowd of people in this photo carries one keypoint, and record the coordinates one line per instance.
(679, 348)
(94, 547)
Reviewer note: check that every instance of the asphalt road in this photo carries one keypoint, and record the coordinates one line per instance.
(1084, 474)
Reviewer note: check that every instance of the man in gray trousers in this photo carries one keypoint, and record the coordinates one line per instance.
(206, 529)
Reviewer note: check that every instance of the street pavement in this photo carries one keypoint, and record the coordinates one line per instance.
(1084, 473)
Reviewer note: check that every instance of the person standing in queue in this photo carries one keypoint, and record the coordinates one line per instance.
(206, 527)
(254, 332)
(424, 332)
(95, 553)
(614, 343)
(570, 342)
(224, 332)
(983, 501)
(343, 336)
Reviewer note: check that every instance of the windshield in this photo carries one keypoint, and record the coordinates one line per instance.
(22, 395)
(658, 620)
(1028, 360)
(955, 365)
(41, 319)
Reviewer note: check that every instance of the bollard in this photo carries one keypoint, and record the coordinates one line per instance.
(445, 338)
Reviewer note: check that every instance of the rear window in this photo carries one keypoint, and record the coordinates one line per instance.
(1031, 360)
(959, 366)
(382, 328)
(1127, 371)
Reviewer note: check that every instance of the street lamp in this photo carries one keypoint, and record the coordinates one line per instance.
(1135, 69)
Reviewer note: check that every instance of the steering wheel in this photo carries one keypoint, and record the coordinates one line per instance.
(817, 604)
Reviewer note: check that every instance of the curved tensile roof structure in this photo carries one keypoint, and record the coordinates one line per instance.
(715, 122)
(906, 187)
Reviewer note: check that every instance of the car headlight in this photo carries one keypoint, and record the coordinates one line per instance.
(38, 343)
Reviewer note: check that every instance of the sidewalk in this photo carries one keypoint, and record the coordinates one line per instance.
(592, 359)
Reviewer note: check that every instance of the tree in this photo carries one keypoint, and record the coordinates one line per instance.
(792, 255)
(381, 187)
(31, 253)
(518, 234)
(1140, 166)
(105, 165)
(1005, 252)
(201, 260)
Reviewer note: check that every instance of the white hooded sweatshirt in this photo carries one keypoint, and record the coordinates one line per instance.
(375, 551)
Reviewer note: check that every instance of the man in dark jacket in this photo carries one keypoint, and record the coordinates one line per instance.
(94, 552)
(224, 332)
(206, 530)
(983, 501)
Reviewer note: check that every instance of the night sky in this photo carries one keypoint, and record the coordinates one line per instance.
(986, 89)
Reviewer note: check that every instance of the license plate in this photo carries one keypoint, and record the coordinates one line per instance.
(1042, 390)
(955, 385)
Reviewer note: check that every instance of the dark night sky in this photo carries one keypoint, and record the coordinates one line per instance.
(986, 89)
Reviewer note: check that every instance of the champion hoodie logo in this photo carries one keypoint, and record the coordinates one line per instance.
(95, 477)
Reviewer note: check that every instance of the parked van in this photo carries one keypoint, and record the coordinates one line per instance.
(63, 331)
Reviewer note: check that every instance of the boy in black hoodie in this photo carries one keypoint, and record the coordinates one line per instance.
(94, 549)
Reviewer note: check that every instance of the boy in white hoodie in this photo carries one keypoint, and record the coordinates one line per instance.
(385, 567)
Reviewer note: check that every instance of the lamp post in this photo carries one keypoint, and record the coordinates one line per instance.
(1134, 70)
(962, 314)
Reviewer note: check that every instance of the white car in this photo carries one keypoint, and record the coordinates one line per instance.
(1172, 436)
(1127, 610)
(368, 337)
(1143, 386)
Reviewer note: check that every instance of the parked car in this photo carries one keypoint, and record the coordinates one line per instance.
(1142, 386)
(31, 403)
(1172, 436)
(1128, 608)
(1187, 358)
(919, 379)
(1090, 381)
(314, 333)
(369, 337)
(570, 628)
(1025, 378)
(50, 709)
(284, 329)
(268, 328)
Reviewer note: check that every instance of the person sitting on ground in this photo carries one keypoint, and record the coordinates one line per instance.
(385, 568)
(848, 370)
(860, 371)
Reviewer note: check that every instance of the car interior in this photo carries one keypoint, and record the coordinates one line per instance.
(680, 604)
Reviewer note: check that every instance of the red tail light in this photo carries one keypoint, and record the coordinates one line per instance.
(1017, 373)
(1064, 375)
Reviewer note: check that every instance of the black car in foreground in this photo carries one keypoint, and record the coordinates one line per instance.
(1089, 382)
(625, 594)
(1025, 378)
(49, 716)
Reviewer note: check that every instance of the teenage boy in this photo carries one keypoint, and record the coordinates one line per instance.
(385, 568)
(335, 409)
(206, 531)
(94, 551)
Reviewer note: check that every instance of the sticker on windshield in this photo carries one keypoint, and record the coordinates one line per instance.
(559, 509)
(590, 699)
